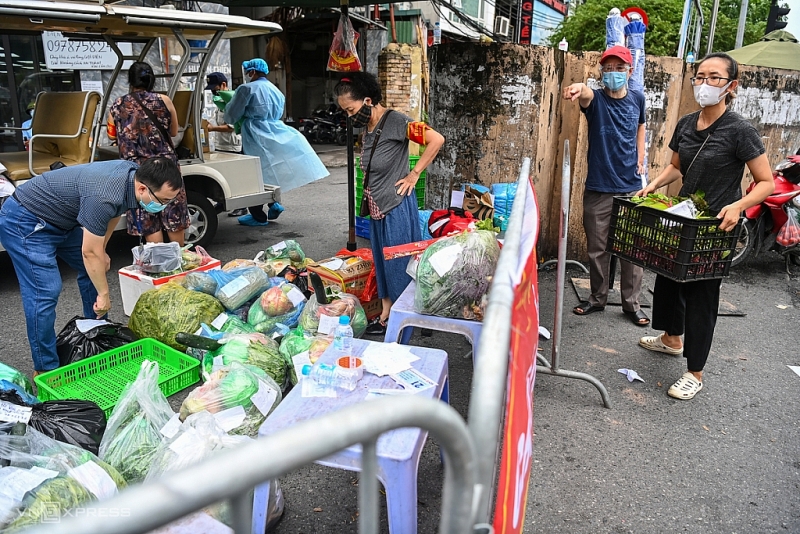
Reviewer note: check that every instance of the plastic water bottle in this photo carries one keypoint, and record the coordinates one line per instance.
(331, 376)
(437, 33)
(343, 335)
(690, 57)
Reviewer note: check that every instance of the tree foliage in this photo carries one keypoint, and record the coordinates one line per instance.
(586, 29)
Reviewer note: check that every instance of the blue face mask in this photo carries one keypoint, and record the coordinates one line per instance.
(615, 80)
(152, 206)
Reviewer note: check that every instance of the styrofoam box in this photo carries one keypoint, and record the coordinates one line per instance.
(133, 283)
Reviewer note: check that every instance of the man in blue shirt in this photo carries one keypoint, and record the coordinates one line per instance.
(616, 165)
(70, 214)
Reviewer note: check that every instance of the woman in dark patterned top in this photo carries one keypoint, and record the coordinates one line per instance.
(710, 149)
(138, 140)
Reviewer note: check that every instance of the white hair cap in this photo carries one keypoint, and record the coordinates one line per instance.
(614, 12)
(634, 16)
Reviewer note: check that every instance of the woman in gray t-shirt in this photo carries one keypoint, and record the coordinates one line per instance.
(389, 187)
(710, 149)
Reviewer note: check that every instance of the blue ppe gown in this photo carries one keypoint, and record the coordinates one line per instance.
(287, 160)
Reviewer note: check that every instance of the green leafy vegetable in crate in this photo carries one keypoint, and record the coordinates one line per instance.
(660, 201)
(163, 312)
(454, 275)
(133, 432)
(255, 349)
(246, 389)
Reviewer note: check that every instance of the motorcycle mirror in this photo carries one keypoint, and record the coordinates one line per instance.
(783, 165)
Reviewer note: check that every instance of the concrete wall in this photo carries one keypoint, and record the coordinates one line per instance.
(498, 103)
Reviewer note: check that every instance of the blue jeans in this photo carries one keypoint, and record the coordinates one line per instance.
(33, 246)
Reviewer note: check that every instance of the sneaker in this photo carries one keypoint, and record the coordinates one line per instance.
(375, 327)
(248, 220)
(238, 213)
(274, 211)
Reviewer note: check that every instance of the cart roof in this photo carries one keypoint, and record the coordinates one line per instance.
(123, 22)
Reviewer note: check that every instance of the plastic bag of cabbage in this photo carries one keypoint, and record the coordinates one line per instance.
(41, 477)
(454, 275)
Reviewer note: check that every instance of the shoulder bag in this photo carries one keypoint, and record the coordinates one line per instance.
(364, 211)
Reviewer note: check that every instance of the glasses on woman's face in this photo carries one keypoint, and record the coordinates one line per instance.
(614, 68)
(715, 81)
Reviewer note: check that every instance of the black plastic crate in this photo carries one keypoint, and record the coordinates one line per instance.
(680, 248)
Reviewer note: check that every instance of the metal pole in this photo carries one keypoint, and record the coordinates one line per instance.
(562, 255)
(698, 30)
(368, 516)
(740, 29)
(713, 27)
(551, 368)
(351, 171)
(687, 6)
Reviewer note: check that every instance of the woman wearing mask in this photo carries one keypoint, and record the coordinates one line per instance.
(144, 124)
(710, 149)
(287, 160)
(389, 185)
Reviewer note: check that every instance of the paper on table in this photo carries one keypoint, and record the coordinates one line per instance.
(380, 393)
(84, 325)
(299, 361)
(795, 368)
(413, 380)
(443, 260)
(334, 265)
(387, 358)
(631, 374)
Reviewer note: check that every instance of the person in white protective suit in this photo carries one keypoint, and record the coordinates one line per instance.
(287, 160)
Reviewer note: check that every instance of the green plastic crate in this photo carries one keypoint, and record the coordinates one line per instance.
(102, 378)
(419, 189)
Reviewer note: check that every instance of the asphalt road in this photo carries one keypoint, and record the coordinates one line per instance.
(727, 461)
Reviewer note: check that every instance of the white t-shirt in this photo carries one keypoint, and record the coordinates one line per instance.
(225, 141)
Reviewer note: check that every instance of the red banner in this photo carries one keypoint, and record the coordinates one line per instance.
(526, 21)
(515, 459)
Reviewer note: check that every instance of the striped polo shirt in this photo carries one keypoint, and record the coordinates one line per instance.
(87, 195)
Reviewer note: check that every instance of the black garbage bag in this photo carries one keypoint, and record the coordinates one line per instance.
(77, 422)
(72, 345)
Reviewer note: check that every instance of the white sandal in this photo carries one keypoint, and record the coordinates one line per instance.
(686, 387)
(654, 343)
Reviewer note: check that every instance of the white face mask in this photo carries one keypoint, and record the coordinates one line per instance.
(707, 95)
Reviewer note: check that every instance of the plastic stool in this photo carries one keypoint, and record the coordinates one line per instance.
(403, 317)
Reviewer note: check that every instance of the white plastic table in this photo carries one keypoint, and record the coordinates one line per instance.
(398, 451)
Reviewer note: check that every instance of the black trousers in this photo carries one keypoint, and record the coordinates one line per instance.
(688, 309)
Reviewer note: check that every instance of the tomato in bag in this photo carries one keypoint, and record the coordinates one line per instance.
(343, 56)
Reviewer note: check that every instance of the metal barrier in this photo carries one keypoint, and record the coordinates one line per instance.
(471, 451)
(231, 475)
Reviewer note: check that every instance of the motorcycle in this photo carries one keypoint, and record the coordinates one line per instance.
(762, 225)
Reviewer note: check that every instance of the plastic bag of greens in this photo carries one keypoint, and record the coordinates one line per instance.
(299, 341)
(161, 313)
(240, 397)
(281, 304)
(254, 349)
(40, 476)
(81, 338)
(455, 273)
(323, 318)
(134, 429)
(231, 324)
(201, 437)
(238, 264)
(194, 259)
(77, 422)
(289, 249)
(202, 282)
(239, 285)
(15, 377)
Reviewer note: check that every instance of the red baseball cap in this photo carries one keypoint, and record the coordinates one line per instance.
(618, 52)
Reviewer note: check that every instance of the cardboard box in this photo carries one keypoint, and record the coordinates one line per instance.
(133, 283)
(348, 273)
(373, 308)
